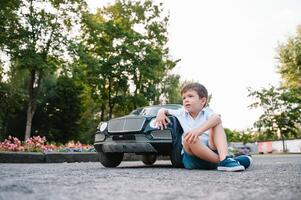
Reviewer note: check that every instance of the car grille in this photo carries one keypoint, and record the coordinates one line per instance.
(126, 124)
(161, 134)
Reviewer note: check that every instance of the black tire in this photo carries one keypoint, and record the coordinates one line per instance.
(176, 156)
(149, 159)
(110, 159)
(175, 153)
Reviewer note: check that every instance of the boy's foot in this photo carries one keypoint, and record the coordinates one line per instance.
(244, 160)
(230, 165)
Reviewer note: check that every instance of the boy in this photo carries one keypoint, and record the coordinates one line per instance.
(204, 140)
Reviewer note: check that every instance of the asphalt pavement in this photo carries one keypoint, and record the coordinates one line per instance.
(271, 177)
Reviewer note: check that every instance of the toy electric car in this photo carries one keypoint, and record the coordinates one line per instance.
(137, 133)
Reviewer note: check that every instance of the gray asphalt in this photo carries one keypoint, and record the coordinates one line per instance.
(271, 177)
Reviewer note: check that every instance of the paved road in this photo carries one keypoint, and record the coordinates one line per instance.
(271, 177)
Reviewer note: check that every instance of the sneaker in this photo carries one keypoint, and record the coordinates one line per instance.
(230, 165)
(244, 160)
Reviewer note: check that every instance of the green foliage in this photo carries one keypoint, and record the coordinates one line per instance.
(238, 136)
(1, 71)
(125, 54)
(63, 111)
(282, 111)
(69, 82)
(8, 22)
(172, 89)
(89, 119)
(60, 112)
(12, 104)
(35, 35)
(232, 136)
(248, 136)
(290, 61)
(282, 106)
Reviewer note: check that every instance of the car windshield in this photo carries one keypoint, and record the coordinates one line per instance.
(136, 111)
(153, 110)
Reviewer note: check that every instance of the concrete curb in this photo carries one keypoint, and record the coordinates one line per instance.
(21, 157)
(50, 157)
(71, 157)
(60, 157)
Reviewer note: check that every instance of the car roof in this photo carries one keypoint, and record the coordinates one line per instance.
(165, 106)
(147, 110)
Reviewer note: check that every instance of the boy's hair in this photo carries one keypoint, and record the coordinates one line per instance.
(199, 88)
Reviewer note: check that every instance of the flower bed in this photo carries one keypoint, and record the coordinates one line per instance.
(38, 144)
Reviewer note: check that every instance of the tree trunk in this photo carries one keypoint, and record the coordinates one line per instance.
(111, 112)
(110, 99)
(283, 144)
(111, 102)
(4, 125)
(28, 121)
(102, 116)
(134, 99)
(33, 90)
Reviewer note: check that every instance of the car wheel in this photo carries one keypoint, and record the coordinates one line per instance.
(176, 156)
(149, 159)
(110, 159)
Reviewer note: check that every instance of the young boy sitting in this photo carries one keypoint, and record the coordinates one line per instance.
(204, 140)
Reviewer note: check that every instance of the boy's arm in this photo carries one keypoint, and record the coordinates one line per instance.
(162, 119)
(192, 135)
(214, 120)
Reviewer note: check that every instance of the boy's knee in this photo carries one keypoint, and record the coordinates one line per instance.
(187, 147)
(219, 125)
(191, 145)
(218, 128)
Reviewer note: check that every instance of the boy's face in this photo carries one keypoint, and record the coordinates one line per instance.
(192, 102)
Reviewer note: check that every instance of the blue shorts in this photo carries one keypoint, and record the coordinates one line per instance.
(193, 162)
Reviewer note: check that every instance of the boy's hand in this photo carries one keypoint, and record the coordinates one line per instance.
(192, 136)
(161, 119)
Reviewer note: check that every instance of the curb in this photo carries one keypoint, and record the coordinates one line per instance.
(21, 157)
(60, 157)
(50, 157)
(71, 157)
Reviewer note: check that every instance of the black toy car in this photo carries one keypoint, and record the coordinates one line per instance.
(136, 133)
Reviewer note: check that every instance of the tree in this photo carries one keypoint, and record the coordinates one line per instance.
(12, 95)
(290, 61)
(3, 92)
(125, 54)
(233, 136)
(36, 35)
(8, 22)
(171, 89)
(282, 105)
(282, 111)
(60, 111)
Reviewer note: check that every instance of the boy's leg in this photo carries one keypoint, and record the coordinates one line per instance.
(193, 162)
(218, 140)
(201, 151)
(187, 148)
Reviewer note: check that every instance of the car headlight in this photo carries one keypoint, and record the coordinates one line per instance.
(102, 126)
(99, 137)
(152, 123)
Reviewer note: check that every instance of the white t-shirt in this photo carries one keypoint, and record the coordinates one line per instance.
(188, 123)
